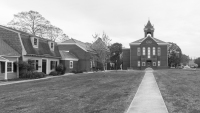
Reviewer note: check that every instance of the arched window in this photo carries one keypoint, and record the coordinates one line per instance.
(154, 51)
(143, 51)
(138, 51)
(138, 63)
(149, 52)
(159, 51)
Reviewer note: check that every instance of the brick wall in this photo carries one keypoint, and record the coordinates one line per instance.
(126, 58)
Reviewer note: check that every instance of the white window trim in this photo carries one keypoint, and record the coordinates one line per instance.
(52, 49)
(11, 67)
(154, 63)
(71, 66)
(53, 64)
(35, 46)
(159, 63)
(138, 63)
(91, 64)
(138, 51)
(154, 51)
(149, 52)
(143, 63)
(143, 51)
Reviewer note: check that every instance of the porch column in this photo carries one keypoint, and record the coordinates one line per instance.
(18, 67)
(6, 76)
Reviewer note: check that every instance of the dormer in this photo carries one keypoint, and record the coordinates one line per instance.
(51, 45)
(35, 42)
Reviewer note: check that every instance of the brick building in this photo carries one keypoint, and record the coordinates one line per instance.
(146, 52)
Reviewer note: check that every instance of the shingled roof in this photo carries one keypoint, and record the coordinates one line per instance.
(43, 47)
(66, 55)
(99, 44)
(6, 50)
(84, 46)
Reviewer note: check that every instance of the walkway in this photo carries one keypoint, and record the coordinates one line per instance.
(148, 98)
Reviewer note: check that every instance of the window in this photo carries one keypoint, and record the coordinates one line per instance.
(143, 63)
(51, 45)
(154, 63)
(36, 64)
(9, 66)
(149, 52)
(138, 51)
(71, 64)
(138, 63)
(143, 50)
(35, 41)
(91, 64)
(159, 51)
(154, 51)
(53, 65)
(158, 63)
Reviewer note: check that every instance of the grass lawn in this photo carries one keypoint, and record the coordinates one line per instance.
(180, 89)
(109, 92)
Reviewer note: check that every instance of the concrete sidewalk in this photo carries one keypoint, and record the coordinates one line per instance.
(148, 98)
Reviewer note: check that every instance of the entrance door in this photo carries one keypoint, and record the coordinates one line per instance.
(44, 65)
(149, 63)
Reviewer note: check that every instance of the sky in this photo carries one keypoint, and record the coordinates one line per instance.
(123, 21)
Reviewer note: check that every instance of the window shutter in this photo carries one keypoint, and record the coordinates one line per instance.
(56, 64)
(2, 67)
(51, 65)
(14, 67)
(36, 65)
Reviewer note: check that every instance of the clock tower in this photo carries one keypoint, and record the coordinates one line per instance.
(148, 29)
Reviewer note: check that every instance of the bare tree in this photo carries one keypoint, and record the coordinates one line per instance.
(53, 33)
(31, 22)
(105, 38)
(100, 47)
(64, 37)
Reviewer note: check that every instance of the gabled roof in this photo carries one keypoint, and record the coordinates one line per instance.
(99, 44)
(142, 39)
(66, 55)
(85, 46)
(6, 50)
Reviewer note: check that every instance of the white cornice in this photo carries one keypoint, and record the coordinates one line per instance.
(72, 59)
(134, 43)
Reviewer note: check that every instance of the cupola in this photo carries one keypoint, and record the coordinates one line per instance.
(149, 29)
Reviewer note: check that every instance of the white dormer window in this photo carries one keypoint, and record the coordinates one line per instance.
(51, 46)
(35, 42)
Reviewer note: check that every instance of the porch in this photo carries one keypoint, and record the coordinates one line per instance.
(3, 68)
(8, 69)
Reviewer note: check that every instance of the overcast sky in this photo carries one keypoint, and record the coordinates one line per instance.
(123, 21)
